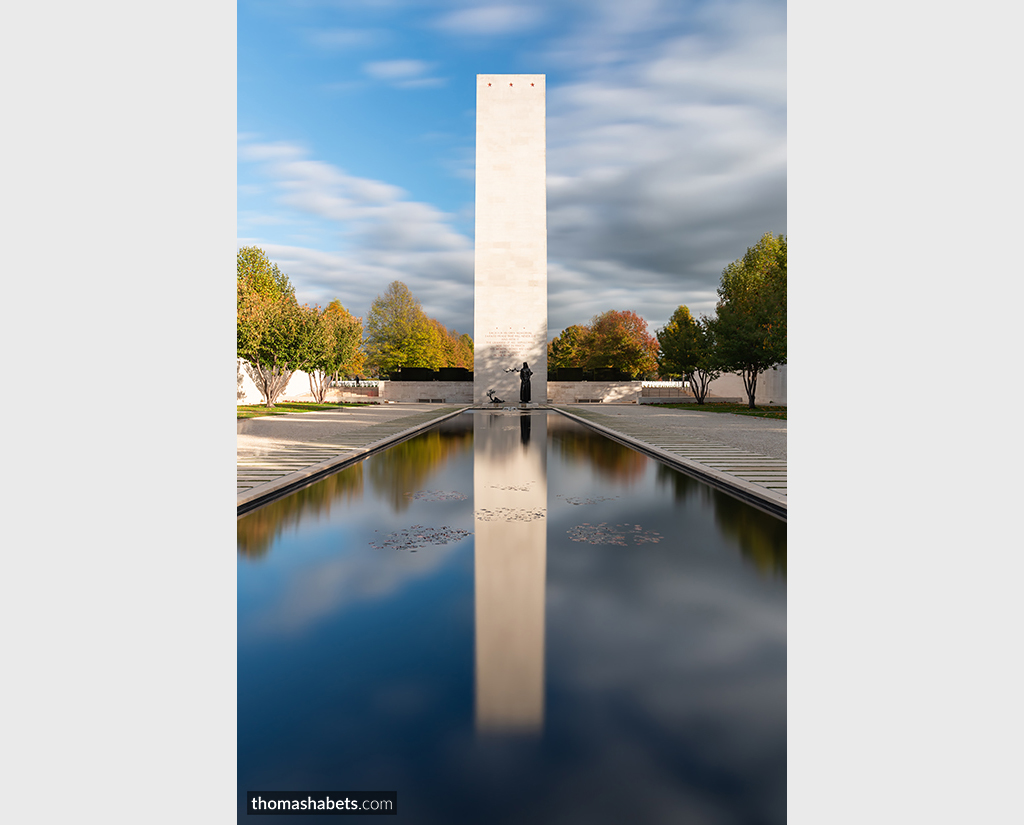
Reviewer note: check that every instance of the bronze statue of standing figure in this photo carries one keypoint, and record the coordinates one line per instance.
(524, 382)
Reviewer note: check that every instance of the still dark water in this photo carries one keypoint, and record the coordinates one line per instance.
(512, 619)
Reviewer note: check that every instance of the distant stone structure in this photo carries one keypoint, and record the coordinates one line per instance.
(510, 323)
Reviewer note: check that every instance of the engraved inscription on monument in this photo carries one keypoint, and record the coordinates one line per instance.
(509, 343)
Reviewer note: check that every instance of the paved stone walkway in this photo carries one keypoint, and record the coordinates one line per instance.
(277, 452)
(741, 452)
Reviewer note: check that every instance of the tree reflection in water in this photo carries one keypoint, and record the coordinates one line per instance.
(608, 459)
(761, 537)
(397, 473)
(394, 474)
(258, 530)
(405, 467)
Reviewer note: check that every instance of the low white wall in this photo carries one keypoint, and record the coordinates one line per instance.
(450, 392)
(605, 392)
(297, 389)
(775, 384)
(771, 386)
(771, 389)
(406, 392)
(247, 392)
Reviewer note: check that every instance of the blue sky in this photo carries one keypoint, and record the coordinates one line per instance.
(666, 145)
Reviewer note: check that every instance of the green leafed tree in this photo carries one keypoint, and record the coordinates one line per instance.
(750, 327)
(687, 349)
(398, 333)
(619, 340)
(271, 325)
(331, 339)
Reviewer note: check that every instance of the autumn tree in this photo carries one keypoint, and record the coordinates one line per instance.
(261, 275)
(687, 349)
(619, 340)
(569, 348)
(330, 345)
(351, 360)
(446, 348)
(399, 334)
(463, 351)
(440, 346)
(270, 323)
(397, 331)
(750, 327)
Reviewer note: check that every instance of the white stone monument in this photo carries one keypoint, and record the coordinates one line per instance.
(510, 319)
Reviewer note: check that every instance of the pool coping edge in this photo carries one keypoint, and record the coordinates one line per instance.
(749, 493)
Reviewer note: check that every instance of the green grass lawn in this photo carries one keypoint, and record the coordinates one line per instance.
(283, 407)
(739, 409)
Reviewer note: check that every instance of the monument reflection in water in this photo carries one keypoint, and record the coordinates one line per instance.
(510, 558)
(511, 618)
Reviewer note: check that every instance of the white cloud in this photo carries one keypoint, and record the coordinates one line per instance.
(256, 219)
(381, 237)
(404, 74)
(269, 151)
(422, 83)
(490, 20)
(396, 69)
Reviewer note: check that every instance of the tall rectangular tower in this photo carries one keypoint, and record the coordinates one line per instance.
(510, 323)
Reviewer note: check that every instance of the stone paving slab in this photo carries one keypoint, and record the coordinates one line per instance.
(743, 455)
(278, 453)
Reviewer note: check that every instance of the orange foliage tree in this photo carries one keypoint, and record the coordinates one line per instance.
(614, 340)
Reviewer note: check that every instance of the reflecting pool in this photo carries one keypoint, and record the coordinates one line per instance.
(511, 618)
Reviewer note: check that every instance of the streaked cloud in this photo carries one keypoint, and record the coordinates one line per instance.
(490, 20)
(405, 74)
(396, 69)
(664, 162)
(381, 236)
